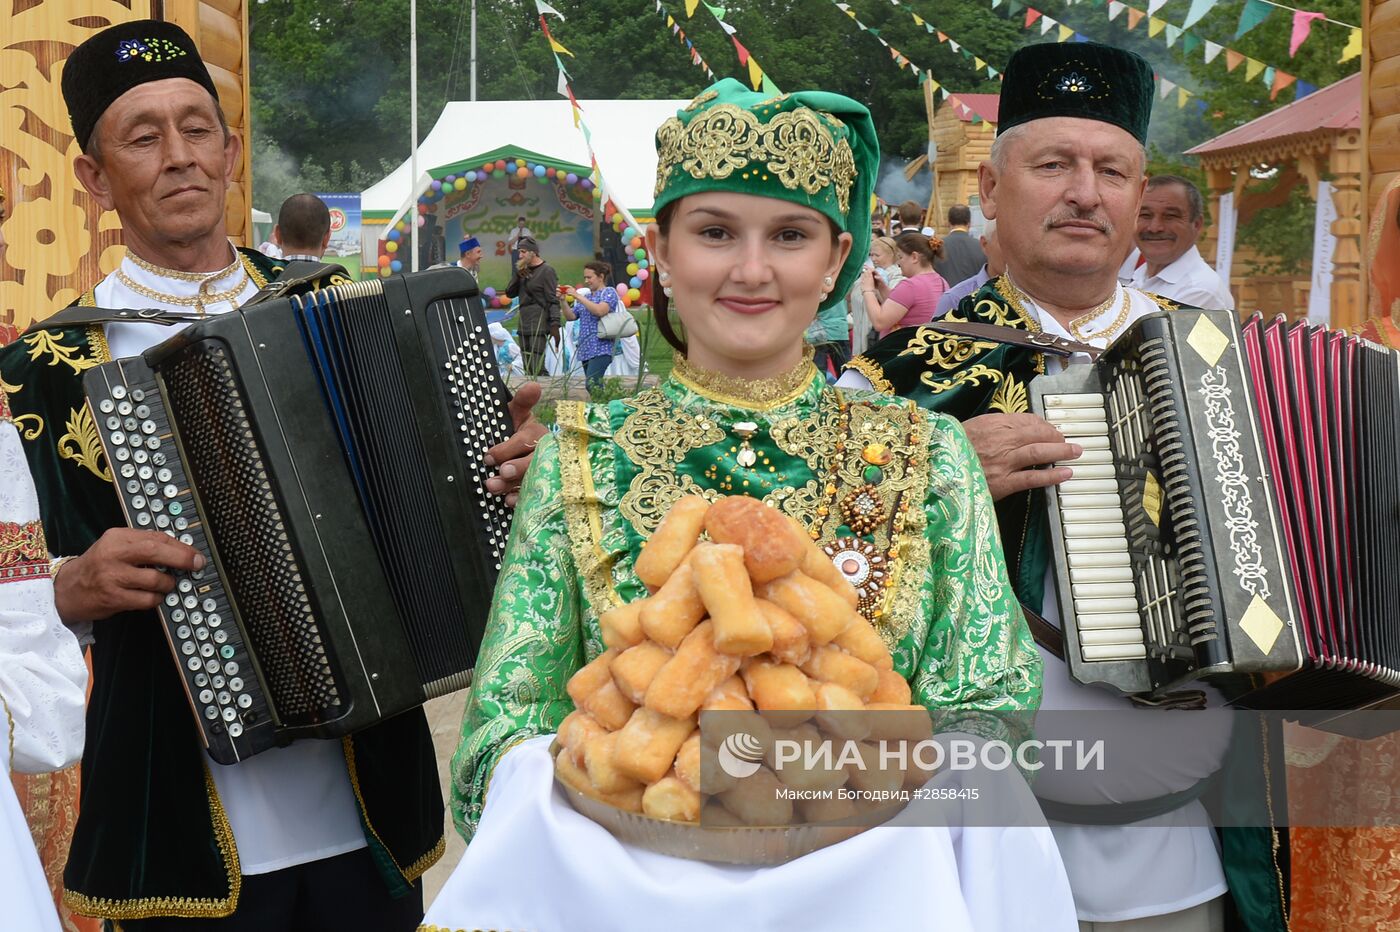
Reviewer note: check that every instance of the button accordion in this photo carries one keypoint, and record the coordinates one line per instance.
(324, 453)
(1233, 512)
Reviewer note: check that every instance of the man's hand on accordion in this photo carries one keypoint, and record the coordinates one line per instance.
(513, 456)
(117, 574)
(1012, 447)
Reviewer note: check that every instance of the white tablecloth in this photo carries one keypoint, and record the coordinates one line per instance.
(536, 864)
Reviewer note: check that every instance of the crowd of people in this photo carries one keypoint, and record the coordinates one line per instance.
(879, 445)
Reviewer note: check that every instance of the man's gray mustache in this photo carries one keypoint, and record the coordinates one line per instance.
(1103, 225)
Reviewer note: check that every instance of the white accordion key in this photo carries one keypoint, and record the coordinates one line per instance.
(1115, 652)
(1085, 515)
(1083, 486)
(1084, 607)
(1078, 400)
(1090, 458)
(1112, 636)
(1100, 574)
(1100, 500)
(1062, 415)
(1075, 429)
(1104, 590)
(1110, 620)
(1097, 529)
(1090, 471)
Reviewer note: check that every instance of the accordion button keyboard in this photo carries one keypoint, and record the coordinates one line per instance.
(139, 441)
(1095, 534)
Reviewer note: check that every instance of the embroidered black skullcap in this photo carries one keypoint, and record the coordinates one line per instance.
(127, 55)
(528, 242)
(1077, 79)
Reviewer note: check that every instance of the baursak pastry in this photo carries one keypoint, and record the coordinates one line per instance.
(755, 623)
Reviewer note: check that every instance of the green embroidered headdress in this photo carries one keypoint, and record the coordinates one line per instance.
(810, 147)
(1077, 79)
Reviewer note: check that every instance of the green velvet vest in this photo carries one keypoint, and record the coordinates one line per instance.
(966, 378)
(152, 838)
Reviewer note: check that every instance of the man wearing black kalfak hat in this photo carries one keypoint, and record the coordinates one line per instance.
(319, 834)
(1065, 176)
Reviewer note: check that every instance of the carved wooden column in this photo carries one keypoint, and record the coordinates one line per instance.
(1346, 162)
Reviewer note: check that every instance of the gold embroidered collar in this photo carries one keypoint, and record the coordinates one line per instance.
(174, 275)
(755, 394)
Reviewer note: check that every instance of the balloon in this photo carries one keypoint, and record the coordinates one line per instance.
(501, 164)
(634, 295)
(384, 260)
(385, 271)
(391, 247)
(396, 266)
(617, 218)
(488, 167)
(643, 264)
(460, 184)
(448, 179)
(643, 274)
(522, 172)
(498, 173)
(489, 292)
(641, 254)
(393, 235)
(636, 242)
(519, 163)
(470, 176)
(586, 184)
(635, 282)
(571, 178)
(631, 268)
(437, 185)
(422, 220)
(539, 171)
(551, 172)
(622, 299)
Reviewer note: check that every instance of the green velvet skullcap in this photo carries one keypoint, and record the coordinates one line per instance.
(810, 147)
(1077, 79)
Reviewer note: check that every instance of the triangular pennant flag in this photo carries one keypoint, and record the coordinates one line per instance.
(670, 21)
(1269, 75)
(918, 20)
(1213, 51)
(1165, 88)
(563, 87)
(1353, 49)
(755, 74)
(1134, 17)
(1189, 43)
(992, 72)
(1080, 37)
(769, 87)
(1064, 32)
(1032, 14)
(1252, 69)
(690, 6)
(944, 92)
(1302, 28)
(1155, 26)
(928, 27)
(743, 52)
(954, 46)
(978, 63)
(1232, 59)
(1046, 23)
(716, 11)
(1154, 5)
(557, 47)
(1304, 89)
(942, 37)
(1182, 95)
(1115, 9)
(1199, 8)
(1254, 13)
(728, 29)
(996, 3)
(546, 8)
(1280, 81)
(1014, 6)
(1173, 33)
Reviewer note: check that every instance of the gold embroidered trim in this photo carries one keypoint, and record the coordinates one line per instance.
(754, 394)
(82, 444)
(182, 907)
(97, 344)
(178, 276)
(23, 553)
(873, 373)
(89, 298)
(1166, 304)
(582, 514)
(656, 437)
(1012, 296)
(796, 146)
(428, 859)
(1010, 397)
(49, 342)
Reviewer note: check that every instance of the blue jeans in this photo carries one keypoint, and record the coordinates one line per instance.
(593, 371)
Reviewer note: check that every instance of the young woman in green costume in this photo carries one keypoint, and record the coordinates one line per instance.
(763, 216)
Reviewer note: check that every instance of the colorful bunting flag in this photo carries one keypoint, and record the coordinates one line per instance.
(1065, 32)
(1280, 81)
(1304, 89)
(1046, 23)
(1213, 51)
(1353, 49)
(1182, 95)
(1252, 68)
(1165, 87)
(1199, 8)
(1254, 13)
(1032, 14)
(1134, 17)
(1233, 59)
(1115, 9)
(1154, 5)
(1173, 33)
(690, 6)
(1302, 28)
(1189, 43)
(1269, 72)
(1155, 26)
(544, 8)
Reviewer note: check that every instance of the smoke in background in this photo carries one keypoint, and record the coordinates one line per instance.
(893, 189)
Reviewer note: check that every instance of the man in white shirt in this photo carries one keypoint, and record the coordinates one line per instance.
(317, 834)
(1169, 223)
(1064, 193)
(303, 229)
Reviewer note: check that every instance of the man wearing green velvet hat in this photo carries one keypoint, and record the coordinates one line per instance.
(317, 834)
(1065, 176)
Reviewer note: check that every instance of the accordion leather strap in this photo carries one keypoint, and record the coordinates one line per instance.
(1046, 635)
(1124, 813)
(1014, 336)
(296, 276)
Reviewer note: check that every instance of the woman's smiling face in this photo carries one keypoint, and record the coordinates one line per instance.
(746, 274)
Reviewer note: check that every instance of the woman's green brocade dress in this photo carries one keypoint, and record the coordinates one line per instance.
(928, 565)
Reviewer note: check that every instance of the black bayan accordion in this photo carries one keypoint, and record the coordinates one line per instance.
(1233, 514)
(324, 453)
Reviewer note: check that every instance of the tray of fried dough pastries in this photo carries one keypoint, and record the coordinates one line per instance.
(745, 616)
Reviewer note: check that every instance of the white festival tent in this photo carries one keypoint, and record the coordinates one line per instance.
(623, 133)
